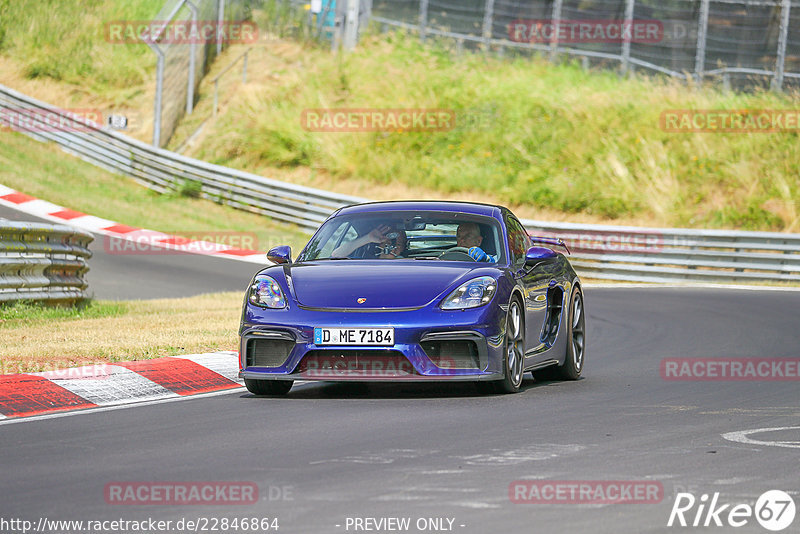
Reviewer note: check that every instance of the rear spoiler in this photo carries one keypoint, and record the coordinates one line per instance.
(555, 241)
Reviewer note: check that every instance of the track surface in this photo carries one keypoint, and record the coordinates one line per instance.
(172, 275)
(428, 451)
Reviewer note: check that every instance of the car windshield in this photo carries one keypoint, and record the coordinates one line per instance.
(405, 235)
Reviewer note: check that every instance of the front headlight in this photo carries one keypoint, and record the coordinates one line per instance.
(266, 292)
(471, 294)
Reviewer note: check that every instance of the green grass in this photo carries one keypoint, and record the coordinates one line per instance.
(24, 312)
(64, 40)
(44, 171)
(552, 136)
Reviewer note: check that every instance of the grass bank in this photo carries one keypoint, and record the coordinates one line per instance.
(46, 172)
(546, 139)
(64, 40)
(551, 141)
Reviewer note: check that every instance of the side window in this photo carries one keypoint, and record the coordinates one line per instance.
(345, 232)
(518, 240)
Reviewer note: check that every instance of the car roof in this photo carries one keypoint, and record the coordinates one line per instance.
(472, 208)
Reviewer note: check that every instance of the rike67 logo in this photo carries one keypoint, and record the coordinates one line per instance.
(774, 510)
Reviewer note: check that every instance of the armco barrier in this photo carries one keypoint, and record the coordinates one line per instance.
(677, 254)
(164, 171)
(43, 261)
(599, 251)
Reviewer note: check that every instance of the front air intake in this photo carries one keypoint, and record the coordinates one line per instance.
(453, 354)
(267, 352)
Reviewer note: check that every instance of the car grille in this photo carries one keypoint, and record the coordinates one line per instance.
(452, 354)
(356, 363)
(267, 352)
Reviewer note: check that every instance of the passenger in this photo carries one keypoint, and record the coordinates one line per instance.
(399, 248)
(379, 235)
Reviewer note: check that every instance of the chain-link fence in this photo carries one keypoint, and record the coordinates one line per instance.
(741, 42)
(185, 36)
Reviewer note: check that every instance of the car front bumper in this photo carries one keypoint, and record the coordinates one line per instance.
(430, 345)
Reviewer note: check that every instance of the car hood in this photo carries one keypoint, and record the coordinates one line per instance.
(382, 283)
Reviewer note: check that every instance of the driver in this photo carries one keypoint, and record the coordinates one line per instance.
(468, 235)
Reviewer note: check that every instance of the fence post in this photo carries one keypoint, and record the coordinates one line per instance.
(192, 60)
(702, 30)
(423, 18)
(488, 22)
(626, 41)
(780, 60)
(220, 20)
(555, 22)
(159, 94)
(351, 24)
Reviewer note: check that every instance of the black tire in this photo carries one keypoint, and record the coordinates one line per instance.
(268, 387)
(513, 353)
(576, 343)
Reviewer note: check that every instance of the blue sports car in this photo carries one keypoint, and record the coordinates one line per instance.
(414, 291)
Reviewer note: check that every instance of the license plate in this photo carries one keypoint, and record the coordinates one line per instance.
(382, 337)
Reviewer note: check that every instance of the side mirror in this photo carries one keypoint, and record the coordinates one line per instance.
(281, 254)
(537, 255)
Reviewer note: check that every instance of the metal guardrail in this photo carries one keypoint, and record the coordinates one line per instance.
(163, 171)
(43, 262)
(675, 254)
(599, 251)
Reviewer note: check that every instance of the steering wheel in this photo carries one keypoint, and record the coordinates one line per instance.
(456, 254)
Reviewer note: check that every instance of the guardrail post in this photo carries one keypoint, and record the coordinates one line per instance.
(488, 22)
(423, 19)
(555, 22)
(783, 37)
(702, 30)
(626, 41)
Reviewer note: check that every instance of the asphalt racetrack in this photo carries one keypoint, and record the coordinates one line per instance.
(330, 453)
